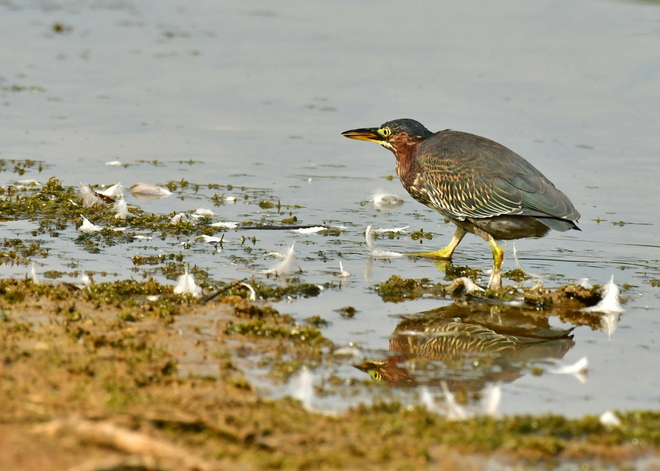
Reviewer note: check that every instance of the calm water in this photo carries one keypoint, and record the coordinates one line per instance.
(255, 95)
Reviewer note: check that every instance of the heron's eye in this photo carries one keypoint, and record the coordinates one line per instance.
(385, 132)
(375, 374)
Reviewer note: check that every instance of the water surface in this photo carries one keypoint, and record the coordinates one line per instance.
(253, 97)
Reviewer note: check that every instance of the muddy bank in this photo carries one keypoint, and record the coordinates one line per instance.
(109, 377)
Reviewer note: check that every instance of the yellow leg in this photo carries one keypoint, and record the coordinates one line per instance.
(448, 251)
(498, 256)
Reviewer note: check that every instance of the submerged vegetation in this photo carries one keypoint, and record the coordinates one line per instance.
(568, 297)
(56, 207)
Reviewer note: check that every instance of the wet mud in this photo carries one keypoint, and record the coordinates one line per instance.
(130, 375)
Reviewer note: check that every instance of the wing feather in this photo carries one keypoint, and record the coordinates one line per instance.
(465, 175)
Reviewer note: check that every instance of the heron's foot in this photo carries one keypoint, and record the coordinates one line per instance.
(495, 281)
(444, 253)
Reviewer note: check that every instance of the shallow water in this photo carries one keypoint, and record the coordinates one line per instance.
(256, 97)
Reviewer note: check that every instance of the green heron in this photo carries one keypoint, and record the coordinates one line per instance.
(480, 185)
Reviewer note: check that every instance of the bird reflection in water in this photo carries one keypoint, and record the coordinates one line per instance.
(469, 346)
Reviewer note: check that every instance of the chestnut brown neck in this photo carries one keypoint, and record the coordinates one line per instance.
(404, 148)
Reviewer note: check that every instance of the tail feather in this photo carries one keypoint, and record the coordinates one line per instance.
(558, 224)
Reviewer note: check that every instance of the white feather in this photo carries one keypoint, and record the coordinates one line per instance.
(286, 266)
(609, 302)
(302, 388)
(579, 369)
(342, 273)
(121, 208)
(185, 284)
(88, 227)
(375, 251)
(382, 200)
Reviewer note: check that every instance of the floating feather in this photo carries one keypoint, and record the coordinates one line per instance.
(309, 230)
(226, 224)
(210, 239)
(465, 285)
(203, 212)
(146, 191)
(584, 283)
(113, 191)
(84, 280)
(454, 410)
(253, 293)
(428, 401)
(609, 307)
(609, 302)
(302, 388)
(34, 277)
(579, 369)
(375, 251)
(451, 409)
(382, 200)
(286, 266)
(89, 197)
(185, 284)
(491, 399)
(609, 419)
(88, 227)
(520, 267)
(395, 229)
(28, 182)
(120, 208)
(342, 273)
(179, 219)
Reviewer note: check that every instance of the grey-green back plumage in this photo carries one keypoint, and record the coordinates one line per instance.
(467, 176)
